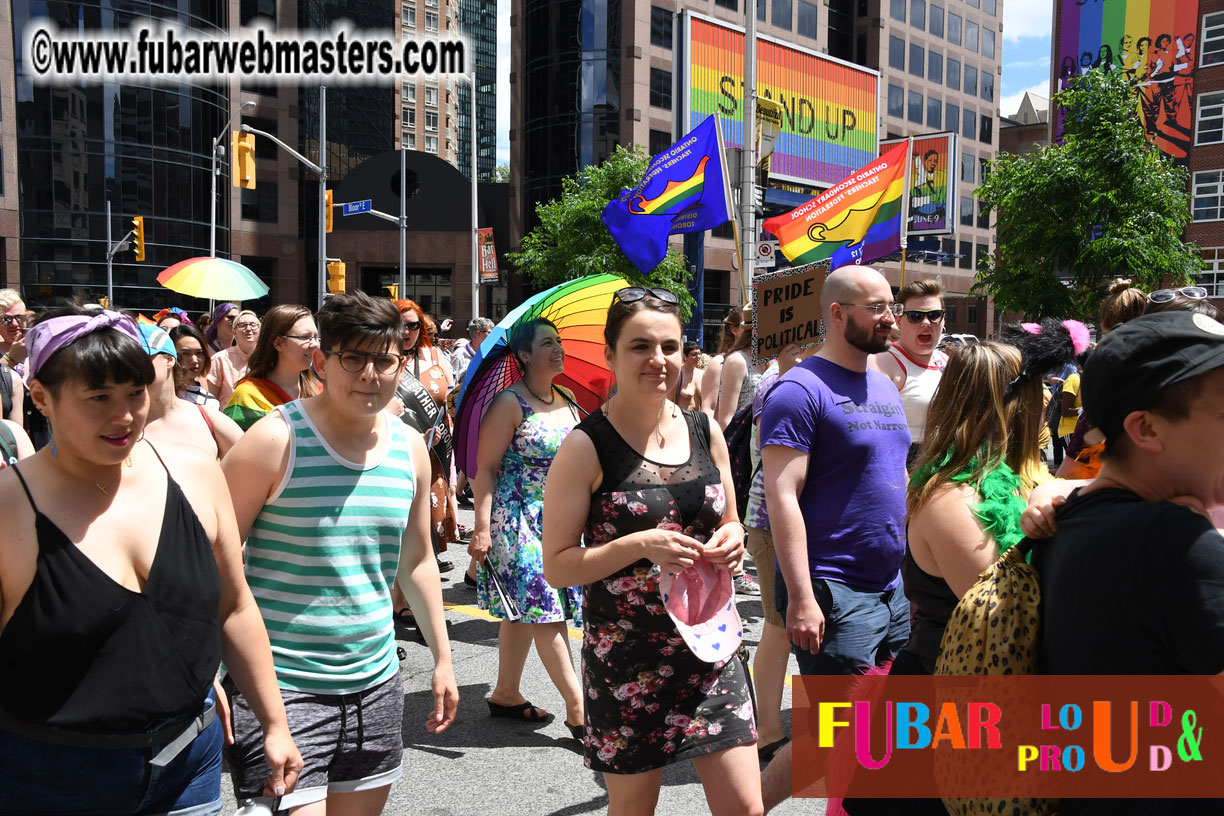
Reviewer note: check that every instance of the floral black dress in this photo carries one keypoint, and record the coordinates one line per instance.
(649, 700)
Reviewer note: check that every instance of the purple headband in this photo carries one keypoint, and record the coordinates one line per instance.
(50, 336)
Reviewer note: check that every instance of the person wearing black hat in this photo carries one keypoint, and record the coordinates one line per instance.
(1140, 531)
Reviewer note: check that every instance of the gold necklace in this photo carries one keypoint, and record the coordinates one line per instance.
(103, 485)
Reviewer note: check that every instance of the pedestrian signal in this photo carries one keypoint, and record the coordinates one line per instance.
(335, 278)
(138, 236)
(244, 160)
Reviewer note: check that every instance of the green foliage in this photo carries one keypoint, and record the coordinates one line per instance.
(501, 174)
(572, 240)
(1107, 178)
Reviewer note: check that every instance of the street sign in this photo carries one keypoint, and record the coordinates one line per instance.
(358, 207)
(767, 254)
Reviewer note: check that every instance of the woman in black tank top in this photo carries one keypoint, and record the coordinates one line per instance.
(119, 594)
(645, 489)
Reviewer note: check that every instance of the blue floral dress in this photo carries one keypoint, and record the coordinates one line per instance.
(517, 523)
(649, 700)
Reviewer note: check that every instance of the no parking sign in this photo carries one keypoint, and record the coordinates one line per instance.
(766, 254)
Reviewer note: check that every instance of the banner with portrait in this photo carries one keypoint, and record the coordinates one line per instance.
(932, 183)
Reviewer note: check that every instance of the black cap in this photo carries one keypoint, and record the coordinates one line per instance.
(1135, 362)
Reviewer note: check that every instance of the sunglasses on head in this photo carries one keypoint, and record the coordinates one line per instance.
(631, 294)
(916, 316)
(1188, 292)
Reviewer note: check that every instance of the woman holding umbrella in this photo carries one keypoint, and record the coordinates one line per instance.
(278, 370)
(519, 436)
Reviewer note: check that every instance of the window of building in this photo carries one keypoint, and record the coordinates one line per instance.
(917, 59)
(1209, 195)
(807, 25)
(983, 219)
(949, 304)
(1212, 47)
(661, 88)
(250, 10)
(1212, 276)
(969, 124)
(986, 131)
(661, 21)
(896, 101)
(990, 6)
(971, 311)
(937, 20)
(761, 10)
(970, 86)
(918, 14)
(981, 255)
(988, 42)
(431, 21)
(431, 96)
(896, 10)
(966, 255)
(1210, 128)
(973, 3)
(954, 74)
(727, 4)
(781, 14)
(431, 120)
(431, 4)
(983, 168)
(915, 107)
(954, 28)
(934, 114)
(896, 53)
(948, 247)
(971, 36)
(409, 16)
(951, 116)
(408, 92)
(968, 167)
(988, 86)
(966, 211)
(935, 67)
(410, 118)
(431, 144)
(261, 203)
(660, 140)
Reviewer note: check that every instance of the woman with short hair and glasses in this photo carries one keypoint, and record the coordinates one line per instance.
(278, 370)
(230, 364)
(640, 503)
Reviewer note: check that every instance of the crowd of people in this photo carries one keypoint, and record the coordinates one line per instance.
(869, 479)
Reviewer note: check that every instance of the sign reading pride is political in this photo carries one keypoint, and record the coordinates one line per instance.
(786, 309)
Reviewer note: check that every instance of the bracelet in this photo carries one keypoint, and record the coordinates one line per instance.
(8, 361)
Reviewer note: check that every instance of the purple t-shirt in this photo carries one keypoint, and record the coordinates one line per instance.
(852, 426)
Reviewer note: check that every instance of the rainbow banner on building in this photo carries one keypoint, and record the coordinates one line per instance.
(1154, 43)
(828, 106)
(684, 190)
(853, 221)
(932, 202)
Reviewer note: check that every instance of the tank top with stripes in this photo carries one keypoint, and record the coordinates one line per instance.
(321, 559)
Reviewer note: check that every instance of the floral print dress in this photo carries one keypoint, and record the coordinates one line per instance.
(517, 523)
(649, 700)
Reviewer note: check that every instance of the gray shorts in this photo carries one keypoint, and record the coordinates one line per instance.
(349, 742)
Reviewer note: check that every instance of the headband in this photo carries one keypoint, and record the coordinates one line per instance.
(49, 336)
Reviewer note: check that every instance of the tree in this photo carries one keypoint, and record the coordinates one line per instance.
(572, 240)
(501, 174)
(1105, 203)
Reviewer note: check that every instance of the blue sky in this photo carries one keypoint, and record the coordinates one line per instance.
(1027, 27)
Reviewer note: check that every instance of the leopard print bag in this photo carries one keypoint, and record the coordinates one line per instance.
(996, 629)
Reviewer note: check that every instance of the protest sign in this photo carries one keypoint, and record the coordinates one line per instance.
(786, 309)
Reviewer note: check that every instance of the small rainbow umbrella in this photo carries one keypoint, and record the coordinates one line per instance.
(579, 309)
(213, 279)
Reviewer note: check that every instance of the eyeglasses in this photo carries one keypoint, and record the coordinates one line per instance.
(16, 320)
(880, 308)
(412, 325)
(355, 362)
(246, 327)
(308, 339)
(916, 315)
(631, 294)
(1189, 292)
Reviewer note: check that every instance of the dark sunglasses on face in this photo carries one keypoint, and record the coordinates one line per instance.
(355, 362)
(15, 320)
(412, 325)
(916, 316)
(1189, 292)
(631, 294)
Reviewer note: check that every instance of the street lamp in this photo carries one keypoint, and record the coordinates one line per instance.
(217, 147)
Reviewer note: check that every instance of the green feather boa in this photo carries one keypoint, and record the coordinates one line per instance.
(998, 486)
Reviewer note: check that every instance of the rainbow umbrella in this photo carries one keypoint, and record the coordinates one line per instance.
(214, 279)
(579, 309)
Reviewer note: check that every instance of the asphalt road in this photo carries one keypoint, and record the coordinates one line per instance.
(486, 766)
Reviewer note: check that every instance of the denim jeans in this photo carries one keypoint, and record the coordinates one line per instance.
(863, 628)
(38, 777)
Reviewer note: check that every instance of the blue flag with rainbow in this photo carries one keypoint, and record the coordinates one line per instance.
(684, 190)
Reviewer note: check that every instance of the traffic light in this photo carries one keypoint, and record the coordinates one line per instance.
(138, 237)
(244, 160)
(327, 211)
(335, 278)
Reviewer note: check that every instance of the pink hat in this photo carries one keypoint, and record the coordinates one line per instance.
(701, 600)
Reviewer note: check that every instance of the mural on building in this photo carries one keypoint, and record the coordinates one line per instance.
(932, 210)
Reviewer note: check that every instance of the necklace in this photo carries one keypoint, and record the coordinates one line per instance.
(551, 393)
(104, 485)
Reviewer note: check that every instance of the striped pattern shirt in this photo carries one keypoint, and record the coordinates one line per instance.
(321, 559)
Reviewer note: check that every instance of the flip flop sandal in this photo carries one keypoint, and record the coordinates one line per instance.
(577, 732)
(406, 617)
(523, 711)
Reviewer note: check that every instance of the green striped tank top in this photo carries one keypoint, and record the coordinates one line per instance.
(321, 558)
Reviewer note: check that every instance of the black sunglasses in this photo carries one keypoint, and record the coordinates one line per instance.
(413, 325)
(631, 294)
(916, 315)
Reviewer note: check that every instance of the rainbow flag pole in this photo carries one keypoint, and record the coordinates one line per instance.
(905, 205)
